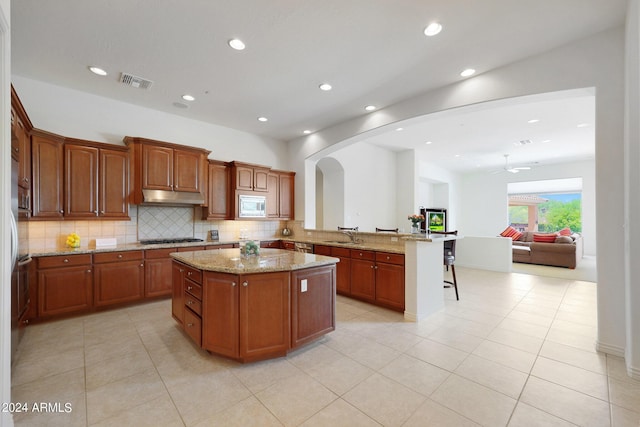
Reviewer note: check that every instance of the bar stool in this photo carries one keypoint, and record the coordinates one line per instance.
(450, 258)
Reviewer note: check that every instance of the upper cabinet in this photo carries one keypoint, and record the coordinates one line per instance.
(219, 193)
(96, 180)
(47, 166)
(249, 177)
(165, 166)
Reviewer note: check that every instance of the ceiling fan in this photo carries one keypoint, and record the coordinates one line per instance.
(511, 169)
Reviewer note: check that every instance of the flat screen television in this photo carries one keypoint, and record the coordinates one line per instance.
(435, 219)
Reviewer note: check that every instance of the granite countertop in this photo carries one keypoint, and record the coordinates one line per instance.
(125, 247)
(269, 260)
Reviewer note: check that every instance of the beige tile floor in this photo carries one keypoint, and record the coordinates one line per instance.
(516, 350)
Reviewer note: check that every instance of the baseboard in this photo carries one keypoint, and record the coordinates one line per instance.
(613, 350)
(633, 373)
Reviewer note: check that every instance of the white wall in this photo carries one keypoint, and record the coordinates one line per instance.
(369, 187)
(5, 197)
(485, 206)
(596, 61)
(81, 115)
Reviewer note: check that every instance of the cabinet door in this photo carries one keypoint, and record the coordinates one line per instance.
(187, 169)
(157, 277)
(390, 285)
(118, 282)
(219, 197)
(24, 154)
(244, 178)
(363, 279)
(265, 311)
(273, 201)
(157, 167)
(313, 294)
(220, 314)
(47, 161)
(64, 290)
(343, 276)
(177, 295)
(81, 181)
(285, 195)
(260, 179)
(114, 184)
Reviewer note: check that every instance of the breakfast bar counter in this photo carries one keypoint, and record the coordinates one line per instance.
(253, 307)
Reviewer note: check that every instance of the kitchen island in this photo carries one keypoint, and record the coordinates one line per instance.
(254, 307)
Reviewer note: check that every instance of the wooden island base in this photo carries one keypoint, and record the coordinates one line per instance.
(255, 315)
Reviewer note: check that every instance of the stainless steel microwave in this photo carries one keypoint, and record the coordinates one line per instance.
(252, 206)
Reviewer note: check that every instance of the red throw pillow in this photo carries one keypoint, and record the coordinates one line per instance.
(544, 237)
(565, 232)
(511, 232)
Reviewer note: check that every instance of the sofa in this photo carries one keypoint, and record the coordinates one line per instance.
(564, 251)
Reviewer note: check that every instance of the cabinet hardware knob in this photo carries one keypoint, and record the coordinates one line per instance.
(142, 265)
(189, 302)
(388, 258)
(181, 270)
(189, 273)
(88, 271)
(189, 288)
(61, 211)
(119, 255)
(372, 266)
(233, 283)
(26, 322)
(102, 212)
(376, 267)
(66, 260)
(95, 212)
(245, 284)
(190, 324)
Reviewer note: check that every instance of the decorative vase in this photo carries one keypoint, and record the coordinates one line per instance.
(415, 229)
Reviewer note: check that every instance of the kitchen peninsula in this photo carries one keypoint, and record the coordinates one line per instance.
(254, 307)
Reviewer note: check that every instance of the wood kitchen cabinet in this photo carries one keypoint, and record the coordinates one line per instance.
(249, 177)
(118, 277)
(178, 272)
(389, 272)
(21, 145)
(255, 308)
(343, 268)
(312, 308)
(273, 195)
(286, 202)
(65, 284)
(363, 274)
(157, 272)
(159, 165)
(219, 203)
(47, 158)
(96, 179)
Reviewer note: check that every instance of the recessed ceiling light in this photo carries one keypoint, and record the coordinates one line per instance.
(306, 131)
(432, 29)
(458, 155)
(237, 44)
(533, 121)
(399, 129)
(468, 72)
(97, 70)
(325, 87)
(583, 125)
(263, 119)
(546, 140)
(429, 142)
(370, 107)
(188, 97)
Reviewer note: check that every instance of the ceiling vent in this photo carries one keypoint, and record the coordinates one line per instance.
(135, 81)
(522, 142)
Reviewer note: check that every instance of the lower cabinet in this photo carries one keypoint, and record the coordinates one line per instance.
(246, 317)
(372, 276)
(65, 284)
(312, 308)
(118, 277)
(157, 272)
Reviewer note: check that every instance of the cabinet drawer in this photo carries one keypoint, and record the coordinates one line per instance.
(64, 260)
(288, 245)
(340, 252)
(158, 253)
(193, 288)
(193, 274)
(221, 246)
(270, 244)
(193, 303)
(100, 258)
(322, 250)
(390, 258)
(191, 248)
(369, 255)
(193, 326)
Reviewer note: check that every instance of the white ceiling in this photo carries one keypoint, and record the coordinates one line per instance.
(371, 51)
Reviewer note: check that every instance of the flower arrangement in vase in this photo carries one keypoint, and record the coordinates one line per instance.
(415, 221)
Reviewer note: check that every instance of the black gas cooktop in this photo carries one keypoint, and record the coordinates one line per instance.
(165, 241)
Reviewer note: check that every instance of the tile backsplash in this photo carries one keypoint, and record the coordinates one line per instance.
(147, 222)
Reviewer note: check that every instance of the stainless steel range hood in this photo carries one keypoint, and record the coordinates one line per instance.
(171, 198)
